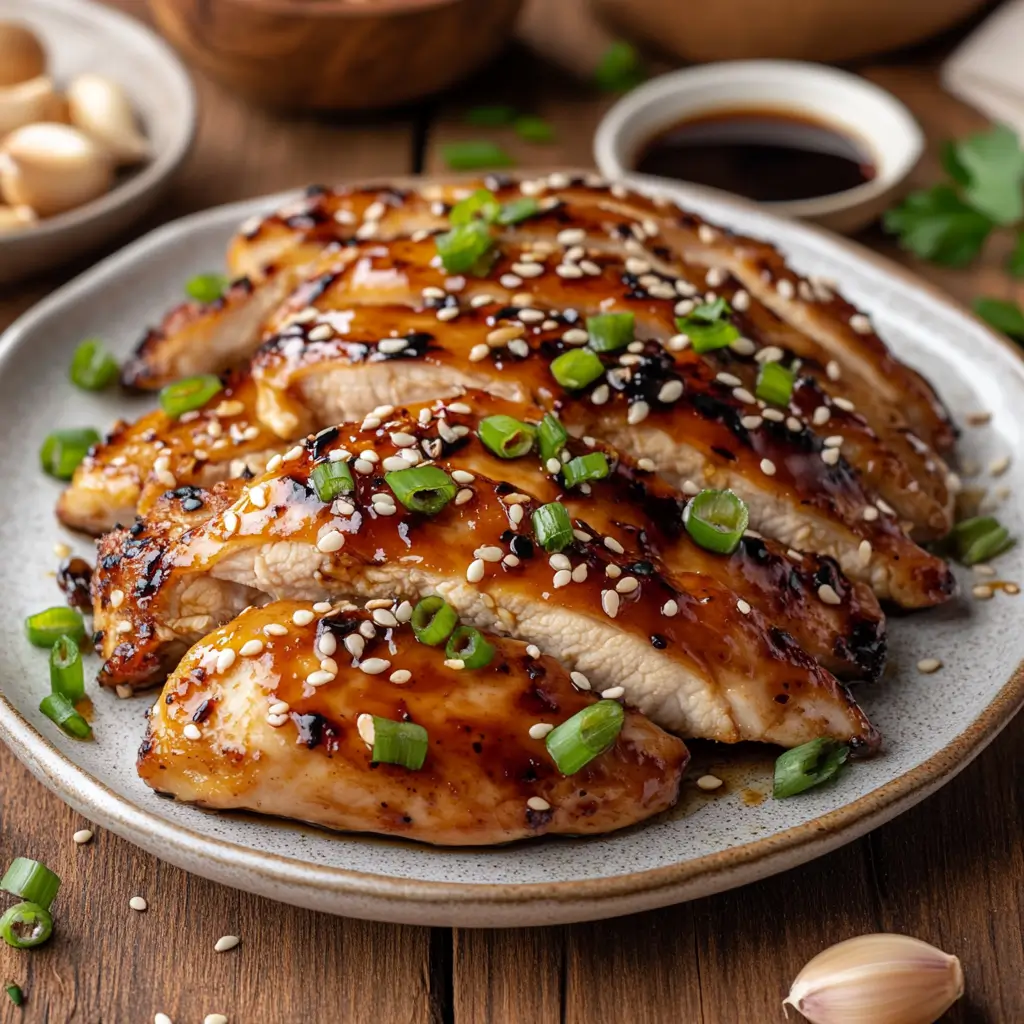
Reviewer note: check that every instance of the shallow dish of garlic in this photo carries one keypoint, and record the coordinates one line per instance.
(96, 114)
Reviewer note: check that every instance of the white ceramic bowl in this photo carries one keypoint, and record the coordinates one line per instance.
(83, 36)
(859, 109)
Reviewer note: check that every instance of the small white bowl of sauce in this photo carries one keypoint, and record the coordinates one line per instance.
(804, 140)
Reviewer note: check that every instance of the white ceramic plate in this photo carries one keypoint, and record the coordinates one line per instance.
(81, 36)
(933, 725)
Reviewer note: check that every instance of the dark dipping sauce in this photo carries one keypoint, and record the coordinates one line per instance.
(765, 154)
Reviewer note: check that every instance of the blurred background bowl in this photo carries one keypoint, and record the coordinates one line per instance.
(821, 30)
(333, 54)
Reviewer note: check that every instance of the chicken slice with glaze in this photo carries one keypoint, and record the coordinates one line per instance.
(272, 714)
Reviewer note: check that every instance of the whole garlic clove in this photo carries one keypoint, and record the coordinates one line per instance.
(15, 218)
(26, 103)
(878, 979)
(52, 168)
(102, 110)
(21, 54)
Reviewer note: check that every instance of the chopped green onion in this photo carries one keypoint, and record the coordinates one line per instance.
(403, 743)
(67, 676)
(189, 393)
(588, 734)
(433, 620)
(464, 249)
(425, 489)
(979, 539)
(506, 436)
(516, 210)
(206, 287)
(706, 337)
(32, 881)
(480, 204)
(610, 331)
(620, 68)
(775, 384)
(490, 117)
(808, 765)
(710, 312)
(59, 710)
(716, 520)
(469, 646)
(534, 129)
(576, 368)
(92, 366)
(551, 437)
(593, 466)
(552, 526)
(63, 450)
(15, 994)
(329, 479)
(45, 628)
(26, 925)
(475, 155)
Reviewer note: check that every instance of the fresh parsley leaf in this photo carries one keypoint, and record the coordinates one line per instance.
(534, 129)
(490, 117)
(951, 163)
(619, 69)
(1015, 261)
(937, 225)
(1002, 314)
(993, 165)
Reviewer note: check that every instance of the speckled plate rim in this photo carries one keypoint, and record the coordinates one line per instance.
(377, 897)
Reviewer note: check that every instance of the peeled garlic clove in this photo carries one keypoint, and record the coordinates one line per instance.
(21, 54)
(101, 109)
(878, 979)
(26, 103)
(52, 168)
(14, 218)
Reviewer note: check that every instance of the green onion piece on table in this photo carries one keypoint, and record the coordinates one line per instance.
(593, 466)
(92, 366)
(808, 765)
(433, 620)
(15, 994)
(480, 204)
(775, 384)
(619, 69)
(26, 925)
(29, 880)
(610, 331)
(552, 526)
(475, 155)
(403, 743)
(59, 710)
(67, 676)
(45, 628)
(63, 450)
(716, 520)
(588, 734)
(206, 287)
(464, 249)
(576, 368)
(551, 437)
(534, 129)
(329, 479)
(189, 393)
(469, 646)
(425, 489)
(979, 539)
(516, 210)
(494, 116)
(507, 437)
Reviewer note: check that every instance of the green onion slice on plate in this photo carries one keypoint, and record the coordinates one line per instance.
(551, 437)
(425, 489)
(979, 539)
(465, 248)
(716, 520)
(576, 368)
(189, 393)
(469, 646)
(808, 765)
(593, 466)
(26, 925)
(481, 203)
(45, 628)
(433, 620)
(29, 880)
(59, 710)
(610, 331)
(552, 526)
(588, 734)
(516, 210)
(507, 437)
(329, 479)
(707, 326)
(67, 676)
(206, 287)
(403, 743)
(92, 366)
(63, 450)
(775, 384)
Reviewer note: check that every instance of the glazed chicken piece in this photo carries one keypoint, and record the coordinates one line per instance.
(690, 652)
(273, 714)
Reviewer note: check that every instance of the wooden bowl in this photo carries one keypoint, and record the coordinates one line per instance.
(333, 54)
(822, 30)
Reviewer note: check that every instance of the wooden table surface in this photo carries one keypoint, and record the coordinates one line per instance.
(951, 871)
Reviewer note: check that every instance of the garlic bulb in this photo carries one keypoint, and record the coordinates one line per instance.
(26, 103)
(878, 979)
(101, 109)
(21, 54)
(14, 218)
(52, 168)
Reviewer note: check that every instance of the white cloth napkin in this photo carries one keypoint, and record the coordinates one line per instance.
(987, 70)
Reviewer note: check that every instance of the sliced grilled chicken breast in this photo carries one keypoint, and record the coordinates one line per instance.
(690, 652)
(272, 714)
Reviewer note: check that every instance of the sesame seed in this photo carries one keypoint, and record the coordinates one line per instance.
(385, 618)
(670, 391)
(785, 288)
(860, 323)
(275, 629)
(579, 574)
(997, 467)
(728, 379)
(571, 236)
(768, 467)
(464, 495)
(793, 424)
(302, 617)
(678, 342)
(562, 578)
(215, 1018)
(258, 496)
(539, 730)
(225, 659)
(741, 301)
(627, 585)
(321, 332)
(400, 676)
(375, 666)
(637, 412)
(613, 545)
(885, 507)
(743, 395)
(191, 731)
(821, 416)
(580, 681)
(613, 692)
(274, 463)
(368, 630)
(454, 663)
(281, 707)
(833, 370)
(843, 403)
(230, 522)
(575, 336)
(742, 607)
(320, 676)
(446, 313)
(830, 456)
(478, 353)
(226, 942)
(162, 1018)
(982, 591)
(510, 281)
(475, 572)
(354, 644)
(743, 347)
(775, 415)
(709, 782)
(330, 542)
(532, 651)
(460, 476)
(538, 803)
(870, 513)
(559, 561)
(610, 603)
(707, 234)
(404, 611)
(826, 592)
(929, 665)
(138, 903)
(751, 422)
(82, 836)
